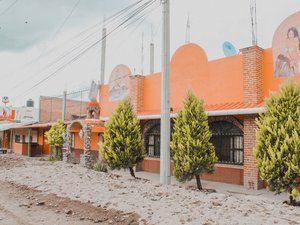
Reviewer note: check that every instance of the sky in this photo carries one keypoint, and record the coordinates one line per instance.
(41, 40)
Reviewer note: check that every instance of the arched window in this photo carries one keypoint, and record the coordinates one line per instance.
(228, 140)
(152, 141)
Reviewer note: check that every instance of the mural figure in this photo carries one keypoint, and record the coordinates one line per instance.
(119, 83)
(288, 64)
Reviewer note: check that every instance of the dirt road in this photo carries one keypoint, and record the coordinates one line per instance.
(21, 205)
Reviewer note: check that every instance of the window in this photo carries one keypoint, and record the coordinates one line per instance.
(153, 141)
(72, 140)
(228, 140)
(17, 139)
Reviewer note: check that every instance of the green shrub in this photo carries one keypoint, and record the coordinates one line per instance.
(193, 154)
(277, 149)
(100, 166)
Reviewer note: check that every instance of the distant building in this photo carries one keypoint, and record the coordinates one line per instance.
(50, 109)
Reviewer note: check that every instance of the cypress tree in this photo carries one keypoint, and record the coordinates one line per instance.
(55, 138)
(277, 149)
(193, 154)
(123, 145)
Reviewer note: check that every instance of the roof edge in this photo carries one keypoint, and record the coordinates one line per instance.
(230, 112)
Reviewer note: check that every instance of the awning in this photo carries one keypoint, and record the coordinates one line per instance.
(8, 126)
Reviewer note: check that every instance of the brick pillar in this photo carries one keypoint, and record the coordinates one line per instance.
(137, 92)
(251, 175)
(253, 93)
(253, 75)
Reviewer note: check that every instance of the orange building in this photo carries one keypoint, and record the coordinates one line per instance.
(233, 89)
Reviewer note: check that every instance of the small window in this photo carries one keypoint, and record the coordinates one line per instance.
(153, 141)
(17, 139)
(72, 140)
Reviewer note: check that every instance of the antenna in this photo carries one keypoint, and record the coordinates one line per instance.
(103, 53)
(152, 33)
(152, 51)
(142, 55)
(253, 21)
(187, 32)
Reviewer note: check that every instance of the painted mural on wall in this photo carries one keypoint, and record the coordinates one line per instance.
(286, 47)
(119, 83)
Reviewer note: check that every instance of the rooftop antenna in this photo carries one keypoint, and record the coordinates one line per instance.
(142, 55)
(188, 29)
(152, 51)
(103, 51)
(253, 21)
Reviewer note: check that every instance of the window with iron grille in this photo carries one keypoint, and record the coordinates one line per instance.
(153, 141)
(228, 140)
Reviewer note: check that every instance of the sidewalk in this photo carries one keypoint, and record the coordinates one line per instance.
(224, 188)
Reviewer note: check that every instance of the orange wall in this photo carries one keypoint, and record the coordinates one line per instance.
(106, 106)
(33, 134)
(20, 148)
(94, 141)
(271, 83)
(79, 143)
(218, 81)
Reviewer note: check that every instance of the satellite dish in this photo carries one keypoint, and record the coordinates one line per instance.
(229, 49)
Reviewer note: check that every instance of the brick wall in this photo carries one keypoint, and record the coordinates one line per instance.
(253, 93)
(51, 109)
(253, 75)
(137, 92)
(251, 175)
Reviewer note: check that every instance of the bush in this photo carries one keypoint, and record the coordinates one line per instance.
(100, 166)
(55, 138)
(192, 151)
(277, 149)
(123, 144)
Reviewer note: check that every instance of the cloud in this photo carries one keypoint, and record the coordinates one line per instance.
(31, 22)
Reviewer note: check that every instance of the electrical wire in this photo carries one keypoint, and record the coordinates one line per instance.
(66, 19)
(79, 45)
(8, 8)
(82, 33)
(129, 17)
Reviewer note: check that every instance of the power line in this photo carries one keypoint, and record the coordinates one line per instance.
(97, 25)
(79, 45)
(129, 17)
(66, 19)
(8, 8)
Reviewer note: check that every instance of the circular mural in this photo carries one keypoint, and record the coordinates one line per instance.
(119, 83)
(286, 47)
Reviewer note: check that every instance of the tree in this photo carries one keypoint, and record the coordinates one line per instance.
(55, 138)
(193, 154)
(123, 145)
(277, 149)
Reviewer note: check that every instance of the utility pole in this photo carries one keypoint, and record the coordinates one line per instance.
(165, 97)
(64, 105)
